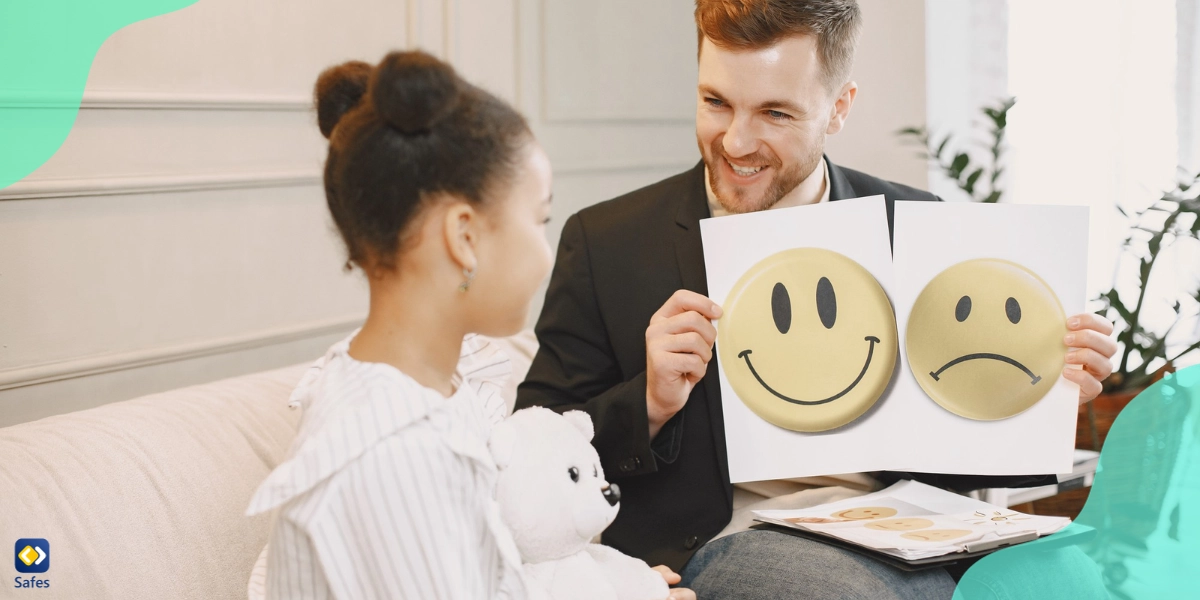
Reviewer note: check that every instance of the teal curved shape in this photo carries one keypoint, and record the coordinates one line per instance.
(1138, 535)
(46, 52)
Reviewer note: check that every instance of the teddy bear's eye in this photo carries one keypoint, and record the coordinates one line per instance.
(595, 471)
(574, 473)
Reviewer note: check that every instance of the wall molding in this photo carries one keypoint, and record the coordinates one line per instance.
(173, 101)
(120, 361)
(551, 117)
(148, 184)
(143, 100)
(584, 167)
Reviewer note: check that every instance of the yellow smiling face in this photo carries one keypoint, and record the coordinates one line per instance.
(808, 339)
(865, 513)
(985, 339)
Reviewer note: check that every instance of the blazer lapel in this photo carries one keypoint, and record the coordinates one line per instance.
(689, 252)
(839, 186)
(840, 189)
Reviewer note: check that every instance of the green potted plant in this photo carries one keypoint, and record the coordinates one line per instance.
(1145, 355)
(979, 179)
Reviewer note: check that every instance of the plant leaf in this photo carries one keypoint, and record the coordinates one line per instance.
(969, 185)
(941, 147)
(959, 163)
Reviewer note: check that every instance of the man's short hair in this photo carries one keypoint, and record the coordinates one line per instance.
(757, 24)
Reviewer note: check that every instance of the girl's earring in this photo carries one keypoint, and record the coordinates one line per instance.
(470, 275)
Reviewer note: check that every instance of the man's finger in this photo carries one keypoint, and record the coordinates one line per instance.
(690, 321)
(1088, 338)
(1094, 362)
(671, 577)
(685, 300)
(1089, 388)
(688, 342)
(1090, 321)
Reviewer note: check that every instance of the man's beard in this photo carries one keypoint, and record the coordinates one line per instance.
(783, 181)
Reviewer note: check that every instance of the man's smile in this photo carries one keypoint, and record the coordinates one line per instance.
(745, 354)
(1033, 379)
(747, 171)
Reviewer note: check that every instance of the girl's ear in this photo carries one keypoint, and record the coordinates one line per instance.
(461, 231)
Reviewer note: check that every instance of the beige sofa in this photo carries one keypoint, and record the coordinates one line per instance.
(145, 498)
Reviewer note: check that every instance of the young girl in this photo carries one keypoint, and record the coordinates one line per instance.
(441, 195)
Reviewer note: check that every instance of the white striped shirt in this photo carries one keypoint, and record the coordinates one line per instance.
(388, 489)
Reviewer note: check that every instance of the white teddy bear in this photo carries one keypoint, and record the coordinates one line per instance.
(554, 499)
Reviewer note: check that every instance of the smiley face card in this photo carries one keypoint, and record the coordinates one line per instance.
(808, 345)
(835, 356)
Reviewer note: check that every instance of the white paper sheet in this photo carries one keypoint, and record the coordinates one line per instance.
(916, 511)
(906, 430)
(758, 450)
(1049, 240)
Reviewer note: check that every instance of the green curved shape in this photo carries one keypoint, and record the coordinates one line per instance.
(46, 51)
(1144, 508)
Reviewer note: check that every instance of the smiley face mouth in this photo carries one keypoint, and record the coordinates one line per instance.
(1033, 379)
(745, 354)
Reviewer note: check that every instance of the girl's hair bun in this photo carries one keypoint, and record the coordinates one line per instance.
(338, 90)
(412, 91)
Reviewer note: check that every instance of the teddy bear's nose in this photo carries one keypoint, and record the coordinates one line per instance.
(612, 493)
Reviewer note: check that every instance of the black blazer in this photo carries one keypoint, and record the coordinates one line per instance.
(618, 263)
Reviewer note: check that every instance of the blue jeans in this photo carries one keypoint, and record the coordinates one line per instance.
(764, 564)
(767, 564)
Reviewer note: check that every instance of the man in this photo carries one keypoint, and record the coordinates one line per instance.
(625, 333)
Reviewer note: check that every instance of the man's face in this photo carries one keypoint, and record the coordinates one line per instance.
(761, 119)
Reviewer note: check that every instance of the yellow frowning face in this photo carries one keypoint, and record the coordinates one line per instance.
(984, 339)
(808, 339)
(935, 535)
(904, 524)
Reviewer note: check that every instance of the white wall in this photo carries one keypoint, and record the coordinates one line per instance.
(180, 234)
(890, 71)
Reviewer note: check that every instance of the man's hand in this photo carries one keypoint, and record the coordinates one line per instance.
(1092, 349)
(672, 578)
(679, 344)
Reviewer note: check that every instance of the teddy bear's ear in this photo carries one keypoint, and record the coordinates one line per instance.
(581, 421)
(502, 443)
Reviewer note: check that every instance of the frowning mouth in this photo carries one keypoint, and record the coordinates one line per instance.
(745, 354)
(1033, 379)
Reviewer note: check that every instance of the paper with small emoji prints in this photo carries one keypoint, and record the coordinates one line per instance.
(799, 365)
(911, 520)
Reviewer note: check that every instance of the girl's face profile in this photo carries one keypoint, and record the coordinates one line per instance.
(514, 257)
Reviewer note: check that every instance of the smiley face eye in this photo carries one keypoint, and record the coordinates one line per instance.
(781, 308)
(826, 303)
(963, 310)
(574, 473)
(1012, 309)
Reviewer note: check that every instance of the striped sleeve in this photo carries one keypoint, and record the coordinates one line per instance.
(485, 367)
(403, 521)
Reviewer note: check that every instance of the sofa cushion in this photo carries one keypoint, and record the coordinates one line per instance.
(145, 498)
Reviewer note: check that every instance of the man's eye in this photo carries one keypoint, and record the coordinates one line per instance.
(714, 102)
(778, 116)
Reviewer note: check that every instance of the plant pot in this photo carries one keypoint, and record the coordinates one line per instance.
(1096, 417)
